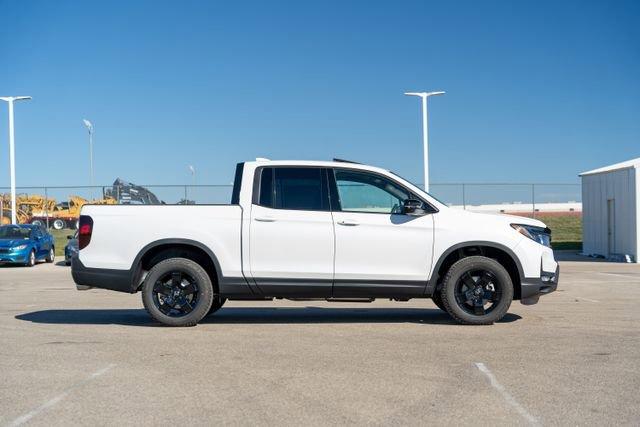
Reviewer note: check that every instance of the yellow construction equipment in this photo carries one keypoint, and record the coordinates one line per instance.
(66, 216)
(37, 209)
(26, 205)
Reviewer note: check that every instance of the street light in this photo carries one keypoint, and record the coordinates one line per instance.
(193, 174)
(425, 131)
(89, 126)
(12, 152)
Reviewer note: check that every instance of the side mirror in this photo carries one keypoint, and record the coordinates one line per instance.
(69, 237)
(413, 207)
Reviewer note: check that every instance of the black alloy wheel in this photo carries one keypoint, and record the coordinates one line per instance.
(478, 292)
(175, 294)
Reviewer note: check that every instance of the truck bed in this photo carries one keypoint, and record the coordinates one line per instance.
(121, 232)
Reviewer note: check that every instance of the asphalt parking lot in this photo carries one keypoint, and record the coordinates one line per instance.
(96, 358)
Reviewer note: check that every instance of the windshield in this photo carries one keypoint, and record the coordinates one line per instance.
(430, 195)
(11, 232)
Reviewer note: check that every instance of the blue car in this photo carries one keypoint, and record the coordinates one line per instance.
(71, 249)
(26, 244)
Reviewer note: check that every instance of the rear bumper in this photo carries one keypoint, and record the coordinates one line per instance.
(533, 288)
(87, 278)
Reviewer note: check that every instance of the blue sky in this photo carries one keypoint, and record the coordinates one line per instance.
(536, 91)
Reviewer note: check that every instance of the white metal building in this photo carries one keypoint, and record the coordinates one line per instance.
(611, 210)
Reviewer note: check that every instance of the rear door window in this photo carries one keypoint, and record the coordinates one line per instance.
(294, 188)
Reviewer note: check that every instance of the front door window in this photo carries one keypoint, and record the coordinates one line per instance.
(369, 193)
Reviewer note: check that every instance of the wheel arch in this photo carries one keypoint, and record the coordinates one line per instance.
(162, 249)
(504, 255)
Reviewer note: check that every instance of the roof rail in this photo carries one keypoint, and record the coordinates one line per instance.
(345, 161)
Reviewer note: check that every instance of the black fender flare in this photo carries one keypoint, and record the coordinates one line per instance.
(136, 269)
(433, 280)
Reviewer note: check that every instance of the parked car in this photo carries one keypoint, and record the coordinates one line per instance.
(26, 244)
(71, 249)
(336, 231)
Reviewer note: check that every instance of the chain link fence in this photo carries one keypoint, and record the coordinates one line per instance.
(50, 203)
(525, 197)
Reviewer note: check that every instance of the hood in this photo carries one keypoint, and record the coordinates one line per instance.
(515, 219)
(494, 218)
(9, 243)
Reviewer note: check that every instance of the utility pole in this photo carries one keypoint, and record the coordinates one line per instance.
(425, 131)
(12, 152)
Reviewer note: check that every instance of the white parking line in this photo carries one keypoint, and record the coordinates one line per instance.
(587, 299)
(54, 401)
(507, 396)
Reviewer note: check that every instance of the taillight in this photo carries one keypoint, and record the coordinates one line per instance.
(85, 228)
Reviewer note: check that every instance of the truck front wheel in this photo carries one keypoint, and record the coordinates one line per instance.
(177, 292)
(477, 291)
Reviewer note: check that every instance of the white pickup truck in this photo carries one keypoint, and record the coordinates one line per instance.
(336, 231)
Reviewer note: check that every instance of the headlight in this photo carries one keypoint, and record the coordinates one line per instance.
(19, 248)
(538, 234)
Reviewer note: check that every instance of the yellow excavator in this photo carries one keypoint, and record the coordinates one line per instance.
(66, 215)
(26, 205)
(36, 209)
(5, 215)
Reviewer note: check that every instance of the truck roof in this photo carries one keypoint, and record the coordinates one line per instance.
(336, 163)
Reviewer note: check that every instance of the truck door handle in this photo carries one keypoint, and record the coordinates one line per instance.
(348, 223)
(264, 219)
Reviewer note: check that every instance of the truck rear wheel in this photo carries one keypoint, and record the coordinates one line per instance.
(177, 292)
(58, 224)
(477, 291)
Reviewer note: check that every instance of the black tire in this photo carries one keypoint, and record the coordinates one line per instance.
(160, 298)
(52, 255)
(467, 288)
(31, 261)
(216, 305)
(437, 300)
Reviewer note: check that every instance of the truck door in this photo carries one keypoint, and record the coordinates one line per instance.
(291, 232)
(380, 252)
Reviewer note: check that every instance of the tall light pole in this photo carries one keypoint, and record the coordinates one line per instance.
(193, 174)
(12, 152)
(425, 131)
(89, 126)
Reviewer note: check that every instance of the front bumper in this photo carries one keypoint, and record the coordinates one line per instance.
(14, 257)
(533, 288)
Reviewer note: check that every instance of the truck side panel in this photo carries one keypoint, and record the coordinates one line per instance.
(120, 232)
